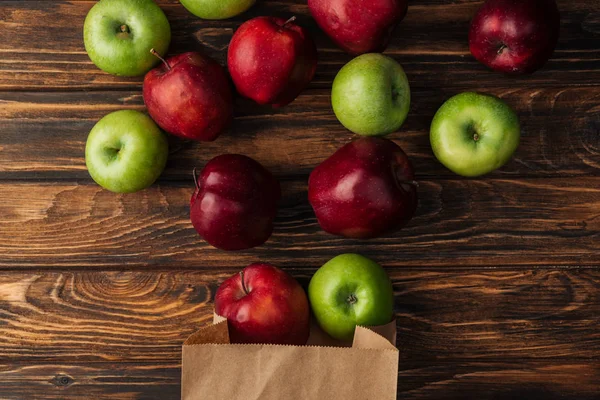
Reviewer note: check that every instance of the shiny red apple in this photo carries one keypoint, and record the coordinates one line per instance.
(359, 26)
(364, 190)
(235, 202)
(271, 60)
(264, 304)
(189, 96)
(515, 36)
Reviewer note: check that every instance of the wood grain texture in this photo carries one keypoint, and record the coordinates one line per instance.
(501, 381)
(446, 316)
(496, 280)
(458, 222)
(431, 44)
(485, 381)
(84, 381)
(118, 333)
(530, 380)
(560, 133)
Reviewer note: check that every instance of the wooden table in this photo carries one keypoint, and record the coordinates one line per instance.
(497, 279)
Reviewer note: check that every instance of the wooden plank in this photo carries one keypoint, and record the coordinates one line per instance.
(458, 222)
(441, 381)
(493, 295)
(501, 381)
(431, 44)
(117, 334)
(561, 133)
(443, 315)
(83, 381)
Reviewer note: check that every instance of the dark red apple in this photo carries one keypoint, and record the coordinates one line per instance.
(359, 26)
(264, 304)
(364, 190)
(271, 60)
(189, 96)
(235, 202)
(515, 36)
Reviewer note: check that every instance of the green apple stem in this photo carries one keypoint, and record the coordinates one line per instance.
(243, 283)
(475, 137)
(352, 299)
(289, 21)
(155, 54)
(123, 33)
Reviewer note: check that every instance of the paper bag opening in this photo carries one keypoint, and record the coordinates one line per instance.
(214, 369)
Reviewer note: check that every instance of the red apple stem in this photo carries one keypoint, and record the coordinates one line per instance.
(155, 54)
(195, 175)
(501, 49)
(289, 21)
(243, 283)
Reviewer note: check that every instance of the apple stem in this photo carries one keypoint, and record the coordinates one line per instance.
(124, 28)
(195, 175)
(155, 54)
(352, 299)
(243, 283)
(289, 21)
(475, 137)
(501, 49)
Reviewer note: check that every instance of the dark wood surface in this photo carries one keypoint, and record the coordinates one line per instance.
(497, 279)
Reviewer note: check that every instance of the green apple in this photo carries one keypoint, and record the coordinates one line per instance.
(126, 151)
(217, 9)
(119, 34)
(371, 95)
(350, 290)
(473, 133)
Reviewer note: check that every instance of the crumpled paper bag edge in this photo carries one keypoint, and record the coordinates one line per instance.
(217, 320)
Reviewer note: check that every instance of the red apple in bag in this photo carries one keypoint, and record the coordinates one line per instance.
(271, 60)
(264, 304)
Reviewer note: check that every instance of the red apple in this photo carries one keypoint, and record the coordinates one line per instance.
(263, 304)
(235, 202)
(515, 36)
(189, 96)
(271, 60)
(364, 190)
(359, 26)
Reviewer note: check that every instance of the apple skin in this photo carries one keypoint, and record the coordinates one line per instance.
(118, 35)
(235, 202)
(359, 26)
(515, 36)
(217, 9)
(350, 290)
(126, 152)
(190, 96)
(364, 190)
(271, 60)
(371, 95)
(473, 134)
(264, 304)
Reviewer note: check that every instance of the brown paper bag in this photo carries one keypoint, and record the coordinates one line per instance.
(214, 369)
